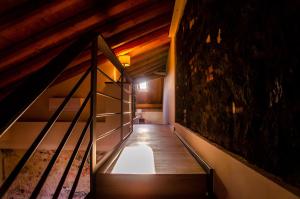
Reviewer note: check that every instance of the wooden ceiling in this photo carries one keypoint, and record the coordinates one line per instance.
(32, 33)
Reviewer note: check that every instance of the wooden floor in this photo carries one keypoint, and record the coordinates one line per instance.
(154, 149)
(153, 164)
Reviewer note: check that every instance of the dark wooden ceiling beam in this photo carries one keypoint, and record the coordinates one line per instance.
(150, 53)
(10, 76)
(66, 33)
(18, 72)
(153, 68)
(144, 40)
(141, 70)
(47, 16)
(13, 10)
(150, 77)
(154, 24)
(160, 33)
(139, 30)
(147, 61)
(138, 16)
(79, 68)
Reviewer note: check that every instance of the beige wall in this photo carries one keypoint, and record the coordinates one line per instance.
(169, 87)
(233, 179)
(169, 82)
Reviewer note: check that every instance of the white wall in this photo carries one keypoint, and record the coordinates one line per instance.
(153, 116)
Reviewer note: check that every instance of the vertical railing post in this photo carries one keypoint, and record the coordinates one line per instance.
(133, 101)
(122, 103)
(129, 105)
(93, 105)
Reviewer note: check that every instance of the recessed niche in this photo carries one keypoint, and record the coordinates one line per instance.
(208, 39)
(219, 39)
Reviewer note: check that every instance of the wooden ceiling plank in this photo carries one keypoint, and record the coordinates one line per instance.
(18, 72)
(144, 14)
(147, 61)
(46, 16)
(144, 69)
(149, 46)
(139, 30)
(12, 9)
(130, 35)
(150, 53)
(154, 68)
(139, 42)
(144, 40)
(65, 34)
(77, 69)
(155, 71)
(150, 77)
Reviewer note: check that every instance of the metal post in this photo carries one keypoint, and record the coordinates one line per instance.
(122, 103)
(130, 105)
(93, 104)
(133, 100)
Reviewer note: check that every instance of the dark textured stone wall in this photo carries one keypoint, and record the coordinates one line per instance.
(237, 79)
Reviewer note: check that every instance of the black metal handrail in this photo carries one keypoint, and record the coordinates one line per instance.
(203, 164)
(127, 91)
(70, 162)
(42, 180)
(112, 97)
(108, 96)
(108, 77)
(10, 179)
(104, 135)
(107, 114)
(110, 114)
(45, 77)
(75, 183)
(17, 102)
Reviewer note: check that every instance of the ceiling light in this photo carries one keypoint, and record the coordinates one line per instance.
(125, 60)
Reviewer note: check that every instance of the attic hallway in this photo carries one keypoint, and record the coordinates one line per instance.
(60, 144)
(149, 99)
(152, 163)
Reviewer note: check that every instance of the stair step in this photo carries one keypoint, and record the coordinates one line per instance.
(144, 186)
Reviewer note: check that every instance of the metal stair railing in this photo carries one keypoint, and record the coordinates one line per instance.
(15, 104)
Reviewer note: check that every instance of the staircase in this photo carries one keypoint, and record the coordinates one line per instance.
(176, 183)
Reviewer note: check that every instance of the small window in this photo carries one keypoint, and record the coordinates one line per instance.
(143, 86)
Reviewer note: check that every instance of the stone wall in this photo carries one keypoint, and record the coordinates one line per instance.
(237, 80)
(30, 174)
